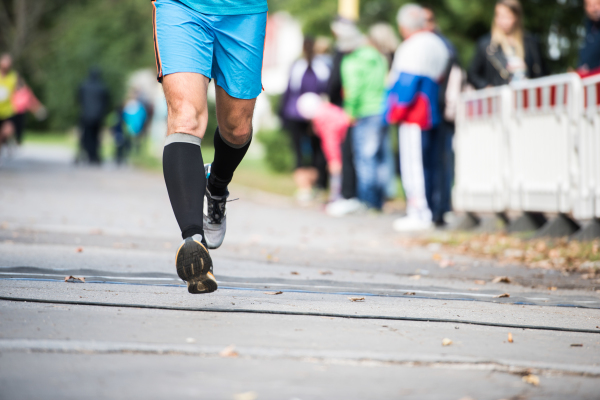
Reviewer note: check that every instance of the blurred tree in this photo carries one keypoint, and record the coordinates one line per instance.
(73, 36)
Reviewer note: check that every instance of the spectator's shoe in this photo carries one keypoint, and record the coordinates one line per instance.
(194, 266)
(342, 207)
(412, 224)
(214, 216)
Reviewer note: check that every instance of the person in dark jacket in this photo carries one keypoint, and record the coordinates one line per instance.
(93, 102)
(589, 54)
(508, 54)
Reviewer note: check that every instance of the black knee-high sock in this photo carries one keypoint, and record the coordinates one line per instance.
(227, 158)
(183, 169)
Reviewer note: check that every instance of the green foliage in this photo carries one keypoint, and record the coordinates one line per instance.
(463, 21)
(278, 150)
(115, 35)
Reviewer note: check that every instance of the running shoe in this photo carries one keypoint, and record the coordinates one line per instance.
(214, 216)
(194, 266)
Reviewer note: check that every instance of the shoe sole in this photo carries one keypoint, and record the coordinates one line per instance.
(194, 265)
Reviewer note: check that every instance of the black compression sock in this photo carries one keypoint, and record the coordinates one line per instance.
(183, 169)
(227, 158)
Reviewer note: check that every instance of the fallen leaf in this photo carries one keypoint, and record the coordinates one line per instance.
(356, 298)
(436, 257)
(325, 272)
(510, 338)
(229, 351)
(445, 263)
(532, 380)
(577, 345)
(245, 396)
(479, 282)
(501, 279)
(72, 278)
(553, 288)
(294, 273)
(446, 342)
(79, 250)
(502, 295)
(409, 293)
(415, 277)
(273, 293)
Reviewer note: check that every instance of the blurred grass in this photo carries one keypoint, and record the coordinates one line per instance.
(253, 171)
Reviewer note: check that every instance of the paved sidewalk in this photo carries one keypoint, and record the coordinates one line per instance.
(132, 330)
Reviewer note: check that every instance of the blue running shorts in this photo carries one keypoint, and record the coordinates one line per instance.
(226, 48)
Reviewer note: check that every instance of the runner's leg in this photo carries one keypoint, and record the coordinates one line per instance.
(232, 139)
(182, 158)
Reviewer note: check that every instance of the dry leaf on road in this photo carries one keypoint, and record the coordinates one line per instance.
(502, 295)
(273, 293)
(479, 282)
(245, 396)
(415, 277)
(409, 293)
(552, 288)
(445, 263)
(446, 342)
(294, 273)
(510, 339)
(229, 351)
(356, 298)
(577, 345)
(532, 379)
(325, 272)
(72, 278)
(79, 250)
(501, 279)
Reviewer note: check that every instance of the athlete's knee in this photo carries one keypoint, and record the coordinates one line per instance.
(189, 118)
(236, 133)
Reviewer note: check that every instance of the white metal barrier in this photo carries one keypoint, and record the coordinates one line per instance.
(542, 129)
(530, 146)
(588, 205)
(481, 169)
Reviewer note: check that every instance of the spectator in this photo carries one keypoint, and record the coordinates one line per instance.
(308, 75)
(348, 38)
(508, 53)
(412, 102)
(24, 100)
(364, 72)
(450, 89)
(330, 124)
(8, 85)
(93, 100)
(385, 39)
(589, 55)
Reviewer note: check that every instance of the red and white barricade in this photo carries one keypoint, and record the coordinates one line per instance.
(542, 127)
(588, 147)
(481, 166)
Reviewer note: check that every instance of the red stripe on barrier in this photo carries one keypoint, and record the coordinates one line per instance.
(539, 97)
(598, 94)
(525, 100)
(552, 96)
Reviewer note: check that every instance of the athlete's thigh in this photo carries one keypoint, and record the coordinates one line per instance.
(185, 93)
(183, 39)
(238, 54)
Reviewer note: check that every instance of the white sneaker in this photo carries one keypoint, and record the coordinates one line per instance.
(412, 224)
(342, 207)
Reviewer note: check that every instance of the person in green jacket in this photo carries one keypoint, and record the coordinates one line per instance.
(364, 73)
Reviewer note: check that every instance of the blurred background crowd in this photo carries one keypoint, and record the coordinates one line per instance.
(360, 97)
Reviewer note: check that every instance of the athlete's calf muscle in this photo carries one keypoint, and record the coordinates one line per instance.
(186, 101)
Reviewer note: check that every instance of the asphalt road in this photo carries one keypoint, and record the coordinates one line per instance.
(132, 330)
